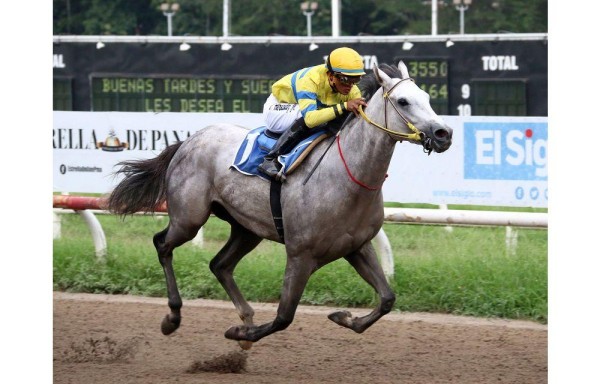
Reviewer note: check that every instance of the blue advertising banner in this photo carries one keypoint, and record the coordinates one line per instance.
(493, 161)
(506, 151)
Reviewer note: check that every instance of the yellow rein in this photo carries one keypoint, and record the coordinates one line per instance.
(409, 136)
(416, 135)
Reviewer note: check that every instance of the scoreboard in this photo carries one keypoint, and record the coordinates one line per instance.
(479, 77)
(178, 94)
(432, 76)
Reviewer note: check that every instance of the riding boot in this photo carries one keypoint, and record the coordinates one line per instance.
(286, 142)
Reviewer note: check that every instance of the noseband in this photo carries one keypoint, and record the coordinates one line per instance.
(417, 134)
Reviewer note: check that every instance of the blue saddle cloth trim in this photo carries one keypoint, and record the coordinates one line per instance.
(256, 145)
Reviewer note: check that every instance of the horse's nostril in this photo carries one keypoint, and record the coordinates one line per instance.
(441, 133)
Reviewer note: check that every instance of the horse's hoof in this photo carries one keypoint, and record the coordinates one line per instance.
(236, 333)
(233, 333)
(245, 344)
(343, 318)
(168, 326)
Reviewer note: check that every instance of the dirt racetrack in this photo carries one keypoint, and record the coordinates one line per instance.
(117, 339)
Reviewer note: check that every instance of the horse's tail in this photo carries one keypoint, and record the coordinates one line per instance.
(144, 185)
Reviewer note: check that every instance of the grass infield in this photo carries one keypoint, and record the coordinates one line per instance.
(466, 271)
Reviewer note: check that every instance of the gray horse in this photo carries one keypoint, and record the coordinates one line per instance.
(334, 214)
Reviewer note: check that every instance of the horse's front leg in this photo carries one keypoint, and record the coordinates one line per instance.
(297, 272)
(366, 264)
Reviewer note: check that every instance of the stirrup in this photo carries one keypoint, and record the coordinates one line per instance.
(280, 176)
(270, 168)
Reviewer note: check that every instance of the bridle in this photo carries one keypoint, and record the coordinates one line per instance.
(417, 134)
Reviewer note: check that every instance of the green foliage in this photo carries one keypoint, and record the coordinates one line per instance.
(195, 17)
(283, 17)
(98, 17)
(466, 271)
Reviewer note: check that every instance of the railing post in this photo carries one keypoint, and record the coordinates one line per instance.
(97, 232)
(449, 228)
(198, 241)
(384, 250)
(56, 226)
(512, 237)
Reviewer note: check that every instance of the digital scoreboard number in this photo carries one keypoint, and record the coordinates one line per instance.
(432, 77)
(179, 94)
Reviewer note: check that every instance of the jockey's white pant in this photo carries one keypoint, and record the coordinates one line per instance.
(280, 116)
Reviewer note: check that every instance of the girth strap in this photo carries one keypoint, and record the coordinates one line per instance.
(275, 198)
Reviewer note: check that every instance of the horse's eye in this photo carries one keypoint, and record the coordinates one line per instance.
(403, 102)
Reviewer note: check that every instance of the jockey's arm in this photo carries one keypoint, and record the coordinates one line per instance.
(314, 117)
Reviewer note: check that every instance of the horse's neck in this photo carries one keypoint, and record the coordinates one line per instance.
(367, 150)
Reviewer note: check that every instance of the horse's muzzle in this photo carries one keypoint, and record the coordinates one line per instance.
(440, 137)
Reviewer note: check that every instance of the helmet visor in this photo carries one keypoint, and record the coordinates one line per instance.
(347, 80)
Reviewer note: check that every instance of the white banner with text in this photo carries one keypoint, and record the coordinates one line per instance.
(495, 161)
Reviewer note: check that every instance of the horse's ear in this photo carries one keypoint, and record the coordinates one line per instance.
(403, 69)
(380, 75)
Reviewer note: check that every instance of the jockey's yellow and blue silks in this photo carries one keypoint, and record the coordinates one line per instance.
(310, 89)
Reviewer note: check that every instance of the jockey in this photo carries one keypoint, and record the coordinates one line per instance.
(310, 98)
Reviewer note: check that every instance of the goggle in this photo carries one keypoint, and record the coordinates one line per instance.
(347, 80)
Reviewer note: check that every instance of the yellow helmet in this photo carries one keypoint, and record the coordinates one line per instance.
(345, 61)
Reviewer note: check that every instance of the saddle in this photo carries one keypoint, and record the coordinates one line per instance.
(259, 142)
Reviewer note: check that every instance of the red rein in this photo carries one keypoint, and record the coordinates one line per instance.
(350, 173)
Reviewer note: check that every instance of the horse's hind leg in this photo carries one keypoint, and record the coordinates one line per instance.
(165, 242)
(365, 263)
(240, 243)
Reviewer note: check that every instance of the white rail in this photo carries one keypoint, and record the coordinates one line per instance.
(380, 242)
(464, 217)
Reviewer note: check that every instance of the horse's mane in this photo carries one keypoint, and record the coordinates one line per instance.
(368, 85)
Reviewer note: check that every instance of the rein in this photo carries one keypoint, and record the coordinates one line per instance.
(417, 134)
